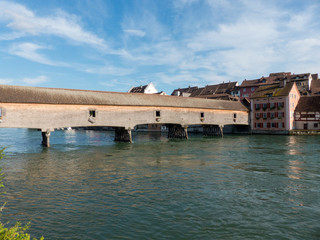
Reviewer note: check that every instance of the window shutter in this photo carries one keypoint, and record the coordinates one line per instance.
(268, 125)
(277, 125)
(268, 115)
(276, 114)
(268, 105)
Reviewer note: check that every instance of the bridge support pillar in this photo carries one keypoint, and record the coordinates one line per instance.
(213, 130)
(46, 137)
(123, 135)
(177, 131)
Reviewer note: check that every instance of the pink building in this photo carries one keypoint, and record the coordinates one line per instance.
(273, 108)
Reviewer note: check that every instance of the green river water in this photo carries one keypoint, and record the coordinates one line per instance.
(86, 186)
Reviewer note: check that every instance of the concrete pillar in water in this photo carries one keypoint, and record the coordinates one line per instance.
(46, 137)
(213, 130)
(177, 131)
(123, 135)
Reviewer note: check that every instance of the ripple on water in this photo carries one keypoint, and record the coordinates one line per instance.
(235, 187)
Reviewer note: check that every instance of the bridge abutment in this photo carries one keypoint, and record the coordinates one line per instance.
(213, 130)
(177, 131)
(123, 135)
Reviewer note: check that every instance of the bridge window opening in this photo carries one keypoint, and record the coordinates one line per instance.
(234, 115)
(92, 113)
(157, 113)
(202, 114)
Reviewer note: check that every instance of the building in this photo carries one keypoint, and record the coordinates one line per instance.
(222, 91)
(147, 89)
(315, 86)
(248, 87)
(307, 113)
(303, 82)
(184, 92)
(272, 108)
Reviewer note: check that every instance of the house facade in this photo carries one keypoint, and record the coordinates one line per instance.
(273, 108)
(307, 113)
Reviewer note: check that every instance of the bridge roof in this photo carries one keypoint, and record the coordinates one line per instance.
(38, 95)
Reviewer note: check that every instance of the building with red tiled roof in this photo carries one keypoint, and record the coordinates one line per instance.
(272, 108)
(307, 113)
(302, 80)
(184, 92)
(218, 91)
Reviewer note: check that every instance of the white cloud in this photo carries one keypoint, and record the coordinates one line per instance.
(29, 51)
(61, 24)
(5, 81)
(35, 81)
(135, 32)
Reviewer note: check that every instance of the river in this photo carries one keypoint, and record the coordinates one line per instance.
(86, 186)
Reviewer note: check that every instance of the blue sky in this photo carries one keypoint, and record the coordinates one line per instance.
(111, 45)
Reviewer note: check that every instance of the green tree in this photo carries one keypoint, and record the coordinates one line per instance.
(17, 232)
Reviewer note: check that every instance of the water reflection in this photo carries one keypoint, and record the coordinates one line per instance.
(292, 146)
(88, 185)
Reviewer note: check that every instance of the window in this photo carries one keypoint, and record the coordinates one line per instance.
(280, 105)
(252, 89)
(202, 114)
(264, 106)
(234, 115)
(316, 125)
(280, 125)
(157, 113)
(308, 115)
(257, 106)
(272, 105)
(272, 115)
(273, 125)
(244, 90)
(265, 125)
(264, 115)
(92, 113)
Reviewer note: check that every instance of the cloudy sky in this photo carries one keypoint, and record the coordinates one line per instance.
(111, 45)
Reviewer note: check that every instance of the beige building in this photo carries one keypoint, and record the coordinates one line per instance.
(273, 108)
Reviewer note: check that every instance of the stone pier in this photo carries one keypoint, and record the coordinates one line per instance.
(177, 131)
(213, 130)
(123, 135)
(46, 137)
